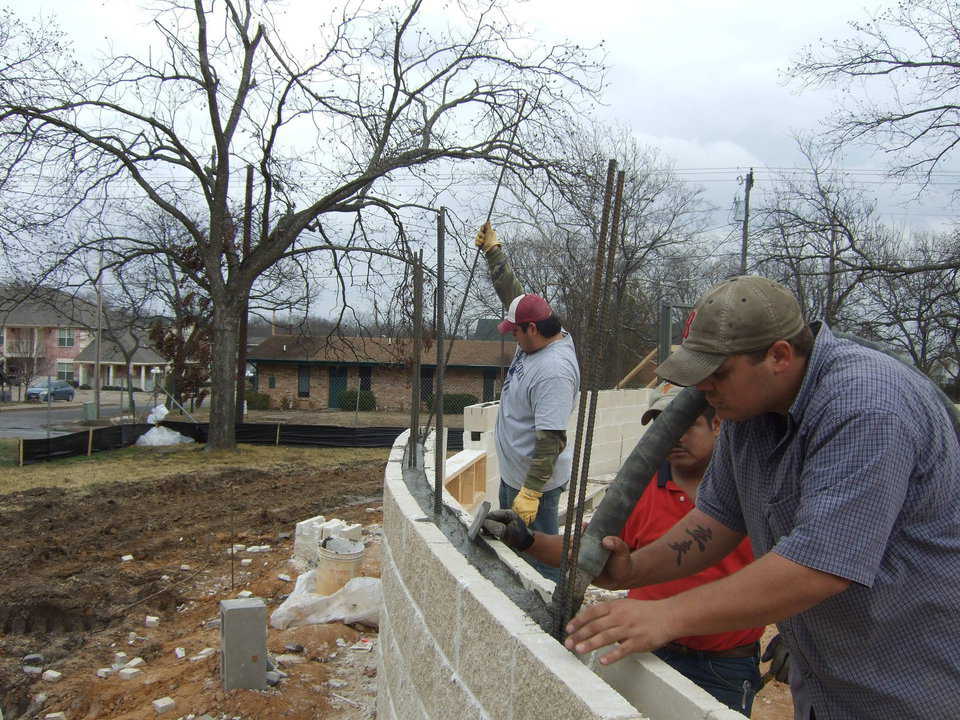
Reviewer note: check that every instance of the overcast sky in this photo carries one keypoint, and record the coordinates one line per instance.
(700, 79)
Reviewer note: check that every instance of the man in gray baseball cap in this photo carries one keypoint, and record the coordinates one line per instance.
(842, 465)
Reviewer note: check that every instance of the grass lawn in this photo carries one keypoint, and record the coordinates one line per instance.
(145, 463)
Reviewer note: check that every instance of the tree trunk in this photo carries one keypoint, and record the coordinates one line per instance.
(223, 375)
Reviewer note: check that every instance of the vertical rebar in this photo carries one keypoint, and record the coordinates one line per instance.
(577, 529)
(561, 595)
(417, 342)
(439, 445)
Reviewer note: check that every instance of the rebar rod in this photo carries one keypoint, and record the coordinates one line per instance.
(564, 586)
(570, 597)
(417, 341)
(439, 446)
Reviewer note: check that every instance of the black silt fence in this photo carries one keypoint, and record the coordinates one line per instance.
(115, 437)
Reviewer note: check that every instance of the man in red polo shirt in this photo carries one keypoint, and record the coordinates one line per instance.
(726, 665)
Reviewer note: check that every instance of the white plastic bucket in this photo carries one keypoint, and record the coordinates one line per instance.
(338, 561)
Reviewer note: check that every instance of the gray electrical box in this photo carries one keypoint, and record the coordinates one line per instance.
(243, 644)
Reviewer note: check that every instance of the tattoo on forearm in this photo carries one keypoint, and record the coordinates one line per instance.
(700, 535)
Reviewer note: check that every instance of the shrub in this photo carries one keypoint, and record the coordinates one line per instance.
(84, 386)
(119, 387)
(454, 403)
(257, 400)
(348, 400)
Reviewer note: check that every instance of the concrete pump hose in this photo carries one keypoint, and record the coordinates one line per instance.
(634, 476)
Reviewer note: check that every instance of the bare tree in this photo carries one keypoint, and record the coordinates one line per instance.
(381, 94)
(902, 69)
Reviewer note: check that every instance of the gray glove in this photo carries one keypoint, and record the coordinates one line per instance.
(507, 527)
(777, 654)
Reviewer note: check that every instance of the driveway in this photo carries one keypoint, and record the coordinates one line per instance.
(40, 420)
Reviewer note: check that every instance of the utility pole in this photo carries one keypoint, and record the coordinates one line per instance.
(242, 339)
(748, 185)
(96, 365)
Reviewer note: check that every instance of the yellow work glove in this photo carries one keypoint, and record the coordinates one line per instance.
(526, 504)
(487, 238)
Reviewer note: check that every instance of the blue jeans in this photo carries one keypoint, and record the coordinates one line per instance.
(546, 522)
(732, 681)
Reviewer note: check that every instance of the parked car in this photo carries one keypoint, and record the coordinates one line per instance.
(58, 390)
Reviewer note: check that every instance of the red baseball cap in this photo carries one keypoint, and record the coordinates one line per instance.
(524, 309)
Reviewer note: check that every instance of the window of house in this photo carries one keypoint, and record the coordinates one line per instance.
(2, 333)
(65, 337)
(271, 381)
(65, 371)
(303, 381)
(366, 373)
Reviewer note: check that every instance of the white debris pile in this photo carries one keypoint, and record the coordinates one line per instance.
(159, 436)
(311, 533)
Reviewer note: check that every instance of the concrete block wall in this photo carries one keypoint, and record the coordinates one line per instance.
(617, 430)
(454, 646)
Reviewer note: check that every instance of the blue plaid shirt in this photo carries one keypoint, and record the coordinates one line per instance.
(862, 480)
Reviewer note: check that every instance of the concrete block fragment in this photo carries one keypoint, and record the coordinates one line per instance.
(246, 562)
(185, 567)
(52, 676)
(244, 594)
(135, 662)
(273, 678)
(179, 653)
(243, 643)
(285, 578)
(164, 704)
(32, 670)
(151, 621)
(203, 655)
(258, 549)
(55, 716)
(105, 672)
(32, 659)
(126, 558)
(127, 673)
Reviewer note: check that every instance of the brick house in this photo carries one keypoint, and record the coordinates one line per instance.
(310, 372)
(37, 339)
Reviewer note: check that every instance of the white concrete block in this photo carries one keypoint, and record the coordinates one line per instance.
(179, 653)
(55, 716)
(151, 621)
(32, 670)
(126, 558)
(164, 704)
(246, 562)
(244, 594)
(105, 672)
(136, 662)
(127, 673)
(52, 676)
(258, 549)
(184, 567)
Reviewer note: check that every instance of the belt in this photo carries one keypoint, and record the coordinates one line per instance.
(741, 651)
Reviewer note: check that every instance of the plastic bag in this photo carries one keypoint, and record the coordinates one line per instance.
(157, 415)
(356, 602)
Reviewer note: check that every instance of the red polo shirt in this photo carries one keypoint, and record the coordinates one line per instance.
(657, 511)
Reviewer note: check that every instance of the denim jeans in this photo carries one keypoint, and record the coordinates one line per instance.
(732, 681)
(546, 522)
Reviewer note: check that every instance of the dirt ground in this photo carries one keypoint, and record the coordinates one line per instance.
(68, 596)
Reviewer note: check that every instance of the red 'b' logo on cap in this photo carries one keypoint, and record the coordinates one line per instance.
(686, 326)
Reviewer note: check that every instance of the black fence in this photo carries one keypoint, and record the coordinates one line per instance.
(121, 436)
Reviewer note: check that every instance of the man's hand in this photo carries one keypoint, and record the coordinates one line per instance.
(618, 570)
(507, 527)
(487, 238)
(777, 654)
(526, 504)
(637, 625)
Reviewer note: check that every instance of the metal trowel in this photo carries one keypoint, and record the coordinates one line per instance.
(478, 519)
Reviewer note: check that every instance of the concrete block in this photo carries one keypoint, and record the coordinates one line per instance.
(655, 688)
(164, 704)
(127, 673)
(136, 662)
(243, 643)
(105, 672)
(151, 621)
(396, 673)
(34, 659)
(242, 594)
(126, 558)
(180, 653)
(32, 670)
(246, 562)
(52, 676)
(554, 683)
(55, 716)
(490, 624)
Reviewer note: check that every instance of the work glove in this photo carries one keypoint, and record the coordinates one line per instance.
(507, 527)
(777, 654)
(487, 238)
(526, 504)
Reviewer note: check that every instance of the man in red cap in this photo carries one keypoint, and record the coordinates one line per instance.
(536, 400)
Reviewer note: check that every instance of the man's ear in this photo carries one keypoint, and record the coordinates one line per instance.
(781, 355)
(715, 425)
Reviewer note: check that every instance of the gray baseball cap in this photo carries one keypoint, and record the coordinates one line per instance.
(663, 395)
(744, 314)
